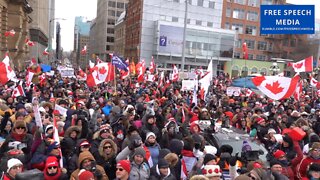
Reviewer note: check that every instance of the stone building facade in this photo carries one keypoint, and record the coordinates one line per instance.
(14, 14)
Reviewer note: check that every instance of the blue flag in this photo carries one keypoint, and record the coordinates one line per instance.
(119, 63)
(45, 68)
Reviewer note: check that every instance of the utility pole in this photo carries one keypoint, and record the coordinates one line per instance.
(184, 36)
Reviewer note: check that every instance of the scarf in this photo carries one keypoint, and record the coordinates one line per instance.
(187, 153)
(55, 176)
(18, 137)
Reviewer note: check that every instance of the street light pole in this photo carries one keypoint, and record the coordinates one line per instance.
(184, 36)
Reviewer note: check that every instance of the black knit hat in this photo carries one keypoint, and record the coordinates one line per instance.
(163, 152)
(162, 163)
(314, 167)
(274, 162)
(226, 148)
(208, 157)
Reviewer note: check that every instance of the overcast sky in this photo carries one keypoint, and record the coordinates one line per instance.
(69, 9)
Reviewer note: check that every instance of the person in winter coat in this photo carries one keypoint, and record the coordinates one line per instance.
(15, 166)
(153, 146)
(72, 163)
(150, 126)
(313, 172)
(131, 131)
(123, 170)
(52, 170)
(105, 132)
(313, 157)
(107, 157)
(6, 126)
(73, 133)
(19, 135)
(86, 161)
(139, 169)
(38, 158)
(161, 171)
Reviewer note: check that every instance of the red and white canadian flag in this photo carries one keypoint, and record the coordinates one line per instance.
(152, 66)
(18, 90)
(82, 76)
(141, 68)
(10, 33)
(29, 42)
(6, 72)
(102, 71)
(175, 74)
(29, 77)
(276, 87)
(45, 52)
(298, 91)
(84, 50)
(248, 92)
(98, 60)
(305, 65)
(92, 78)
(314, 82)
(161, 79)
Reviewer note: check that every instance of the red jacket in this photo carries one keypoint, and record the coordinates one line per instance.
(302, 167)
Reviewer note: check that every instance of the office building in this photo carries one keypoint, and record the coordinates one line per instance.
(155, 28)
(81, 40)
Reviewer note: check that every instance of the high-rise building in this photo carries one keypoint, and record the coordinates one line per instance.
(156, 27)
(108, 11)
(243, 16)
(15, 15)
(39, 28)
(81, 40)
(120, 35)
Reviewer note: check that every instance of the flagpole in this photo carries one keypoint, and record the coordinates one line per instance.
(115, 79)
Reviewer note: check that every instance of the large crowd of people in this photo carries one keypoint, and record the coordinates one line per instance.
(140, 131)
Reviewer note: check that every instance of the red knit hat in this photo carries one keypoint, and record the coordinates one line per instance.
(85, 175)
(260, 120)
(52, 161)
(125, 164)
(278, 154)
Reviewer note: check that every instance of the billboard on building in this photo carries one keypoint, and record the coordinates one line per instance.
(170, 39)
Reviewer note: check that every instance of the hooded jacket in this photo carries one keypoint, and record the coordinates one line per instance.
(83, 156)
(108, 162)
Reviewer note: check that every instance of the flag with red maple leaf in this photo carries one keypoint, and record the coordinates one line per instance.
(305, 65)
(276, 87)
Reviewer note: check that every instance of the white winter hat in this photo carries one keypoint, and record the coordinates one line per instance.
(211, 171)
(150, 134)
(13, 162)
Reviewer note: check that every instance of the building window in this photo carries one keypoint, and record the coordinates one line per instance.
(237, 27)
(200, 3)
(252, 16)
(262, 45)
(239, 43)
(285, 42)
(110, 30)
(254, 3)
(111, 13)
(198, 22)
(293, 42)
(112, 4)
(267, 2)
(175, 19)
(261, 57)
(250, 56)
(270, 47)
(227, 25)
(238, 13)
(240, 1)
(111, 21)
(250, 44)
(228, 12)
(120, 5)
(251, 30)
(110, 39)
(108, 48)
(210, 24)
(236, 55)
(211, 4)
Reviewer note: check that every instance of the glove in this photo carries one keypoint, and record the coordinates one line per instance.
(233, 160)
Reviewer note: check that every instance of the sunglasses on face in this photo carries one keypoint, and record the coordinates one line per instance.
(20, 128)
(86, 146)
(120, 169)
(107, 147)
(53, 167)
